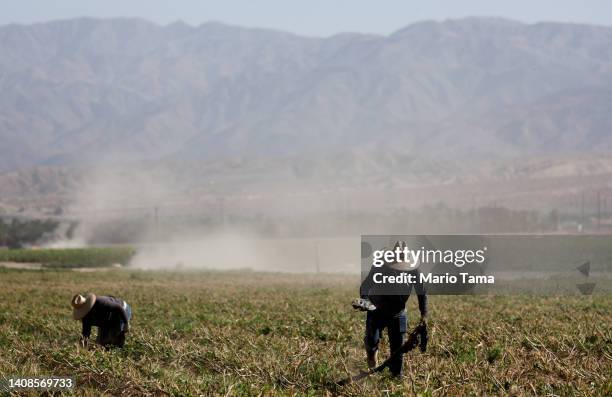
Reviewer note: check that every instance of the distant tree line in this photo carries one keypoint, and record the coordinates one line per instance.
(15, 233)
(436, 219)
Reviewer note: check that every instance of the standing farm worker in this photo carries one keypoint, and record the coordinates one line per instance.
(386, 308)
(111, 315)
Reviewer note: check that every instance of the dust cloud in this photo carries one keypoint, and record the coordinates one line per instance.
(233, 251)
(177, 227)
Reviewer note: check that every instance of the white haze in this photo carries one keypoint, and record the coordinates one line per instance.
(112, 195)
(233, 251)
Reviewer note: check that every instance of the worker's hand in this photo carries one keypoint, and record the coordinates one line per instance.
(127, 329)
(83, 343)
(363, 305)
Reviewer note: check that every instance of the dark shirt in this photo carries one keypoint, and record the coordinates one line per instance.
(391, 298)
(106, 312)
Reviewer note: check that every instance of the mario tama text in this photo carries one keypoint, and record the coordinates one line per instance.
(430, 278)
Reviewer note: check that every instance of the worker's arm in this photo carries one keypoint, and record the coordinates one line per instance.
(422, 296)
(423, 307)
(366, 284)
(86, 332)
(118, 308)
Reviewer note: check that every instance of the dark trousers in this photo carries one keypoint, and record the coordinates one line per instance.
(396, 324)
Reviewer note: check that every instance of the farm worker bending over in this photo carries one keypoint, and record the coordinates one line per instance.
(387, 309)
(111, 315)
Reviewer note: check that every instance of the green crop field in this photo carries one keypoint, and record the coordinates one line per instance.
(69, 257)
(234, 333)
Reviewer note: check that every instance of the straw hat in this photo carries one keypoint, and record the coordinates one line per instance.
(82, 305)
(402, 266)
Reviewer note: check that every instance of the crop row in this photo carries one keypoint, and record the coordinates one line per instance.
(70, 257)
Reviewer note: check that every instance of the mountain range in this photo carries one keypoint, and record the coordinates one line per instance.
(82, 91)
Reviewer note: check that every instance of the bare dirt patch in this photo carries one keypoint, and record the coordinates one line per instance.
(21, 265)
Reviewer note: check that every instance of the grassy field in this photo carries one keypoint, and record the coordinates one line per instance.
(260, 334)
(69, 257)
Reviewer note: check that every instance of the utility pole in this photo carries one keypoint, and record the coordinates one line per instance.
(157, 223)
(598, 209)
(582, 212)
(222, 210)
(317, 264)
(473, 214)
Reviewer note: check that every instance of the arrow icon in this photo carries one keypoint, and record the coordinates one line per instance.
(585, 268)
(586, 288)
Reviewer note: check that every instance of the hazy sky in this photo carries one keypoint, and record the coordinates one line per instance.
(310, 17)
